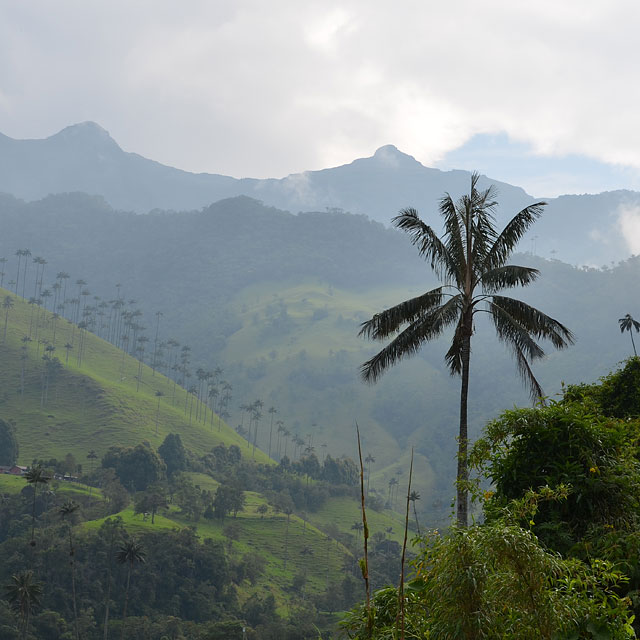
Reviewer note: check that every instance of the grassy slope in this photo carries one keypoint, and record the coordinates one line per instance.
(310, 551)
(330, 344)
(94, 405)
(15, 484)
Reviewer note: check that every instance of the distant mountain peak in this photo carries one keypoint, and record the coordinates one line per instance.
(86, 132)
(387, 149)
(391, 155)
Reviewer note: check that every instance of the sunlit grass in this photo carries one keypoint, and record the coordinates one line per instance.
(95, 403)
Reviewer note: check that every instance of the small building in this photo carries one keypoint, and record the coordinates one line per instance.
(17, 470)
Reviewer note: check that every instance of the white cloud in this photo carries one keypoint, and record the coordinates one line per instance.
(629, 225)
(267, 89)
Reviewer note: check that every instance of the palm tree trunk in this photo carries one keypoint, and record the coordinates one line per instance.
(462, 475)
(33, 513)
(415, 513)
(25, 620)
(633, 344)
(73, 584)
(126, 600)
(107, 600)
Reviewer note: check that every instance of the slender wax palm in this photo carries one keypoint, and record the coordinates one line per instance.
(66, 512)
(470, 259)
(23, 594)
(130, 553)
(629, 324)
(35, 476)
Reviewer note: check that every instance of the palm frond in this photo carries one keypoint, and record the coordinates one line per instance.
(482, 211)
(483, 205)
(426, 327)
(535, 390)
(390, 320)
(507, 277)
(453, 226)
(512, 234)
(628, 324)
(524, 348)
(429, 245)
(535, 322)
(453, 357)
(512, 331)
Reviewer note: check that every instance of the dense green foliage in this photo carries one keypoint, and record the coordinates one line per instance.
(136, 467)
(615, 395)
(173, 453)
(498, 581)
(558, 554)
(564, 444)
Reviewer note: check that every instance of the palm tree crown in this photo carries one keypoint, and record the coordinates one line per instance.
(129, 553)
(35, 475)
(471, 260)
(629, 324)
(23, 594)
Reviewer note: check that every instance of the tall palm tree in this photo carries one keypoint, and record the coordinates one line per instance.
(129, 553)
(272, 411)
(66, 512)
(19, 253)
(470, 259)
(159, 395)
(68, 346)
(7, 305)
(3, 261)
(414, 496)
(393, 483)
(159, 314)
(279, 431)
(629, 324)
(257, 416)
(23, 594)
(27, 254)
(35, 476)
(369, 460)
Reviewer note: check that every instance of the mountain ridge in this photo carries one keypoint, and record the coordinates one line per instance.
(587, 229)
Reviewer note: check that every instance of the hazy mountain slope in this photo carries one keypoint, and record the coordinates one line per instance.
(84, 157)
(579, 229)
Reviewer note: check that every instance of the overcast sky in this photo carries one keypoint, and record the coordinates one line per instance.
(264, 89)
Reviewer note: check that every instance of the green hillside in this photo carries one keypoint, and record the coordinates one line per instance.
(97, 396)
(304, 335)
(299, 549)
(94, 403)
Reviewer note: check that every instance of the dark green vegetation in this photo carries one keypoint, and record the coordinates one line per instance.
(470, 259)
(557, 556)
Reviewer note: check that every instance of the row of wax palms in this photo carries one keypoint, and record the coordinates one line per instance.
(121, 327)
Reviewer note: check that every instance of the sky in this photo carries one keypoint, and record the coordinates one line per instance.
(541, 94)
